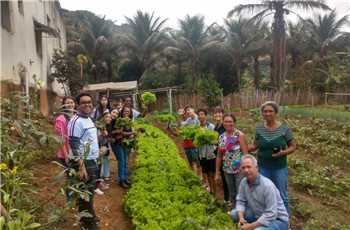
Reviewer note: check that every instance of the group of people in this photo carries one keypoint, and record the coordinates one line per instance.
(255, 189)
(90, 136)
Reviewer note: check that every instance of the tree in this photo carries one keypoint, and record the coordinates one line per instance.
(144, 41)
(326, 30)
(245, 39)
(190, 42)
(279, 8)
(66, 71)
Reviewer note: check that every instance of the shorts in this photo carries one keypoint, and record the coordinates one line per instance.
(192, 155)
(208, 166)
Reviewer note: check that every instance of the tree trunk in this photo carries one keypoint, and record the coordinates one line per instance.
(81, 71)
(279, 48)
(256, 68)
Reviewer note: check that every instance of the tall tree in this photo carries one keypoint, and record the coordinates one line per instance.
(326, 30)
(144, 41)
(245, 39)
(191, 41)
(279, 8)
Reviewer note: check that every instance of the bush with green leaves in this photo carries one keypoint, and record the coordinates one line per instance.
(148, 98)
(166, 194)
(210, 91)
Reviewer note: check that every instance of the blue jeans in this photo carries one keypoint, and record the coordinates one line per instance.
(280, 178)
(105, 166)
(121, 154)
(250, 218)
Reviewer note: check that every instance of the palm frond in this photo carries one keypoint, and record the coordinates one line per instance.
(307, 4)
(247, 8)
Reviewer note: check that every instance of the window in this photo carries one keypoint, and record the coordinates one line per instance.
(5, 15)
(20, 7)
(38, 42)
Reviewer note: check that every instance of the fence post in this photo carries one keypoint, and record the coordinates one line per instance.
(325, 98)
(170, 100)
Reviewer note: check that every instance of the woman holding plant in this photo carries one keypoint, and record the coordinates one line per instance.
(274, 141)
(122, 135)
(231, 147)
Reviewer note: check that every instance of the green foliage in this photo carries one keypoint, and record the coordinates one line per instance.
(148, 98)
(66, 70)
(24, 140)
(123, 123)
(210, 90)
(189, 131)
(205, 137)
(165, 193)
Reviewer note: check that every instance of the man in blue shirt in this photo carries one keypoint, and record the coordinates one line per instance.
(85, 151)
(259, 204)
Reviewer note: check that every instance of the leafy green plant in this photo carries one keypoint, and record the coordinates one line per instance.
(204, 136)
(189, 131)
(166, 194)
(148, 98)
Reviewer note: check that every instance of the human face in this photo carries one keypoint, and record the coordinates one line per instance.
(249, 170)
(85, 104)
(114, 113)
(104, 101)
(202, 117)
(126, 112)
(128, 101)
(69, 104)
(269, 113)
(119, 106)
(107, 118)
(229, 124)
(218, 117)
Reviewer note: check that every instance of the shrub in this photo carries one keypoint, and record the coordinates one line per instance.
(166, 194)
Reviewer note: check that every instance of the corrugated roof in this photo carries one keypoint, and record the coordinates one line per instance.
(120, 86)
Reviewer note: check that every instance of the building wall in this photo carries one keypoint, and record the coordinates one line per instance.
(19, 56)
(18, 46)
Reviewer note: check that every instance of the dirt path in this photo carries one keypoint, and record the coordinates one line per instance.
(109, 207)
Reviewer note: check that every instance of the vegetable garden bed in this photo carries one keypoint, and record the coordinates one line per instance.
(166, 194)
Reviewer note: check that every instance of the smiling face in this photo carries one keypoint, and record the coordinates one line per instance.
(114, 113)
(218, 117)
(69, 104)
(268, 113)
(107, 118)
(126, 112)
(229, 124)
(85, 104)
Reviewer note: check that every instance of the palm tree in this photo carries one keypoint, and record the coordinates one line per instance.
(326, 31)
(190, 42)
(244, 39)
(144, 41)
(279, 8)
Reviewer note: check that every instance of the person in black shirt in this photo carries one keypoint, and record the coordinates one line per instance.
(219, 127)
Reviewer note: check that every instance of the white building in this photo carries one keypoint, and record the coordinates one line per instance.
(30, 31)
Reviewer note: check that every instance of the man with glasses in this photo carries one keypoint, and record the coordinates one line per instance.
(85, 151)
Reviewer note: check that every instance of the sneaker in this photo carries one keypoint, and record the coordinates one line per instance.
(98, 192)
(107, 178)
(104, 186)
(128, 182)
(124, 185)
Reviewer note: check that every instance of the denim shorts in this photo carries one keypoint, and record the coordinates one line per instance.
(192, 155)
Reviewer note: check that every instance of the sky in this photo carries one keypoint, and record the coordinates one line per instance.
(213, 11)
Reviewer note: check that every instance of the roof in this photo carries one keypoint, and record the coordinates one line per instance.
(118, 86)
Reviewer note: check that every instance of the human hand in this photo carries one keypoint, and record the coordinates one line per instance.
(281, 153)
(217, 177)
(242, 221)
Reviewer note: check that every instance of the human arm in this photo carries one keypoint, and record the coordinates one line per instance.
(253, 147)
(291, 144)
(243, 143)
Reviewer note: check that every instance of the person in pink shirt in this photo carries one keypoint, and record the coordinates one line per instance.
(61, 123)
